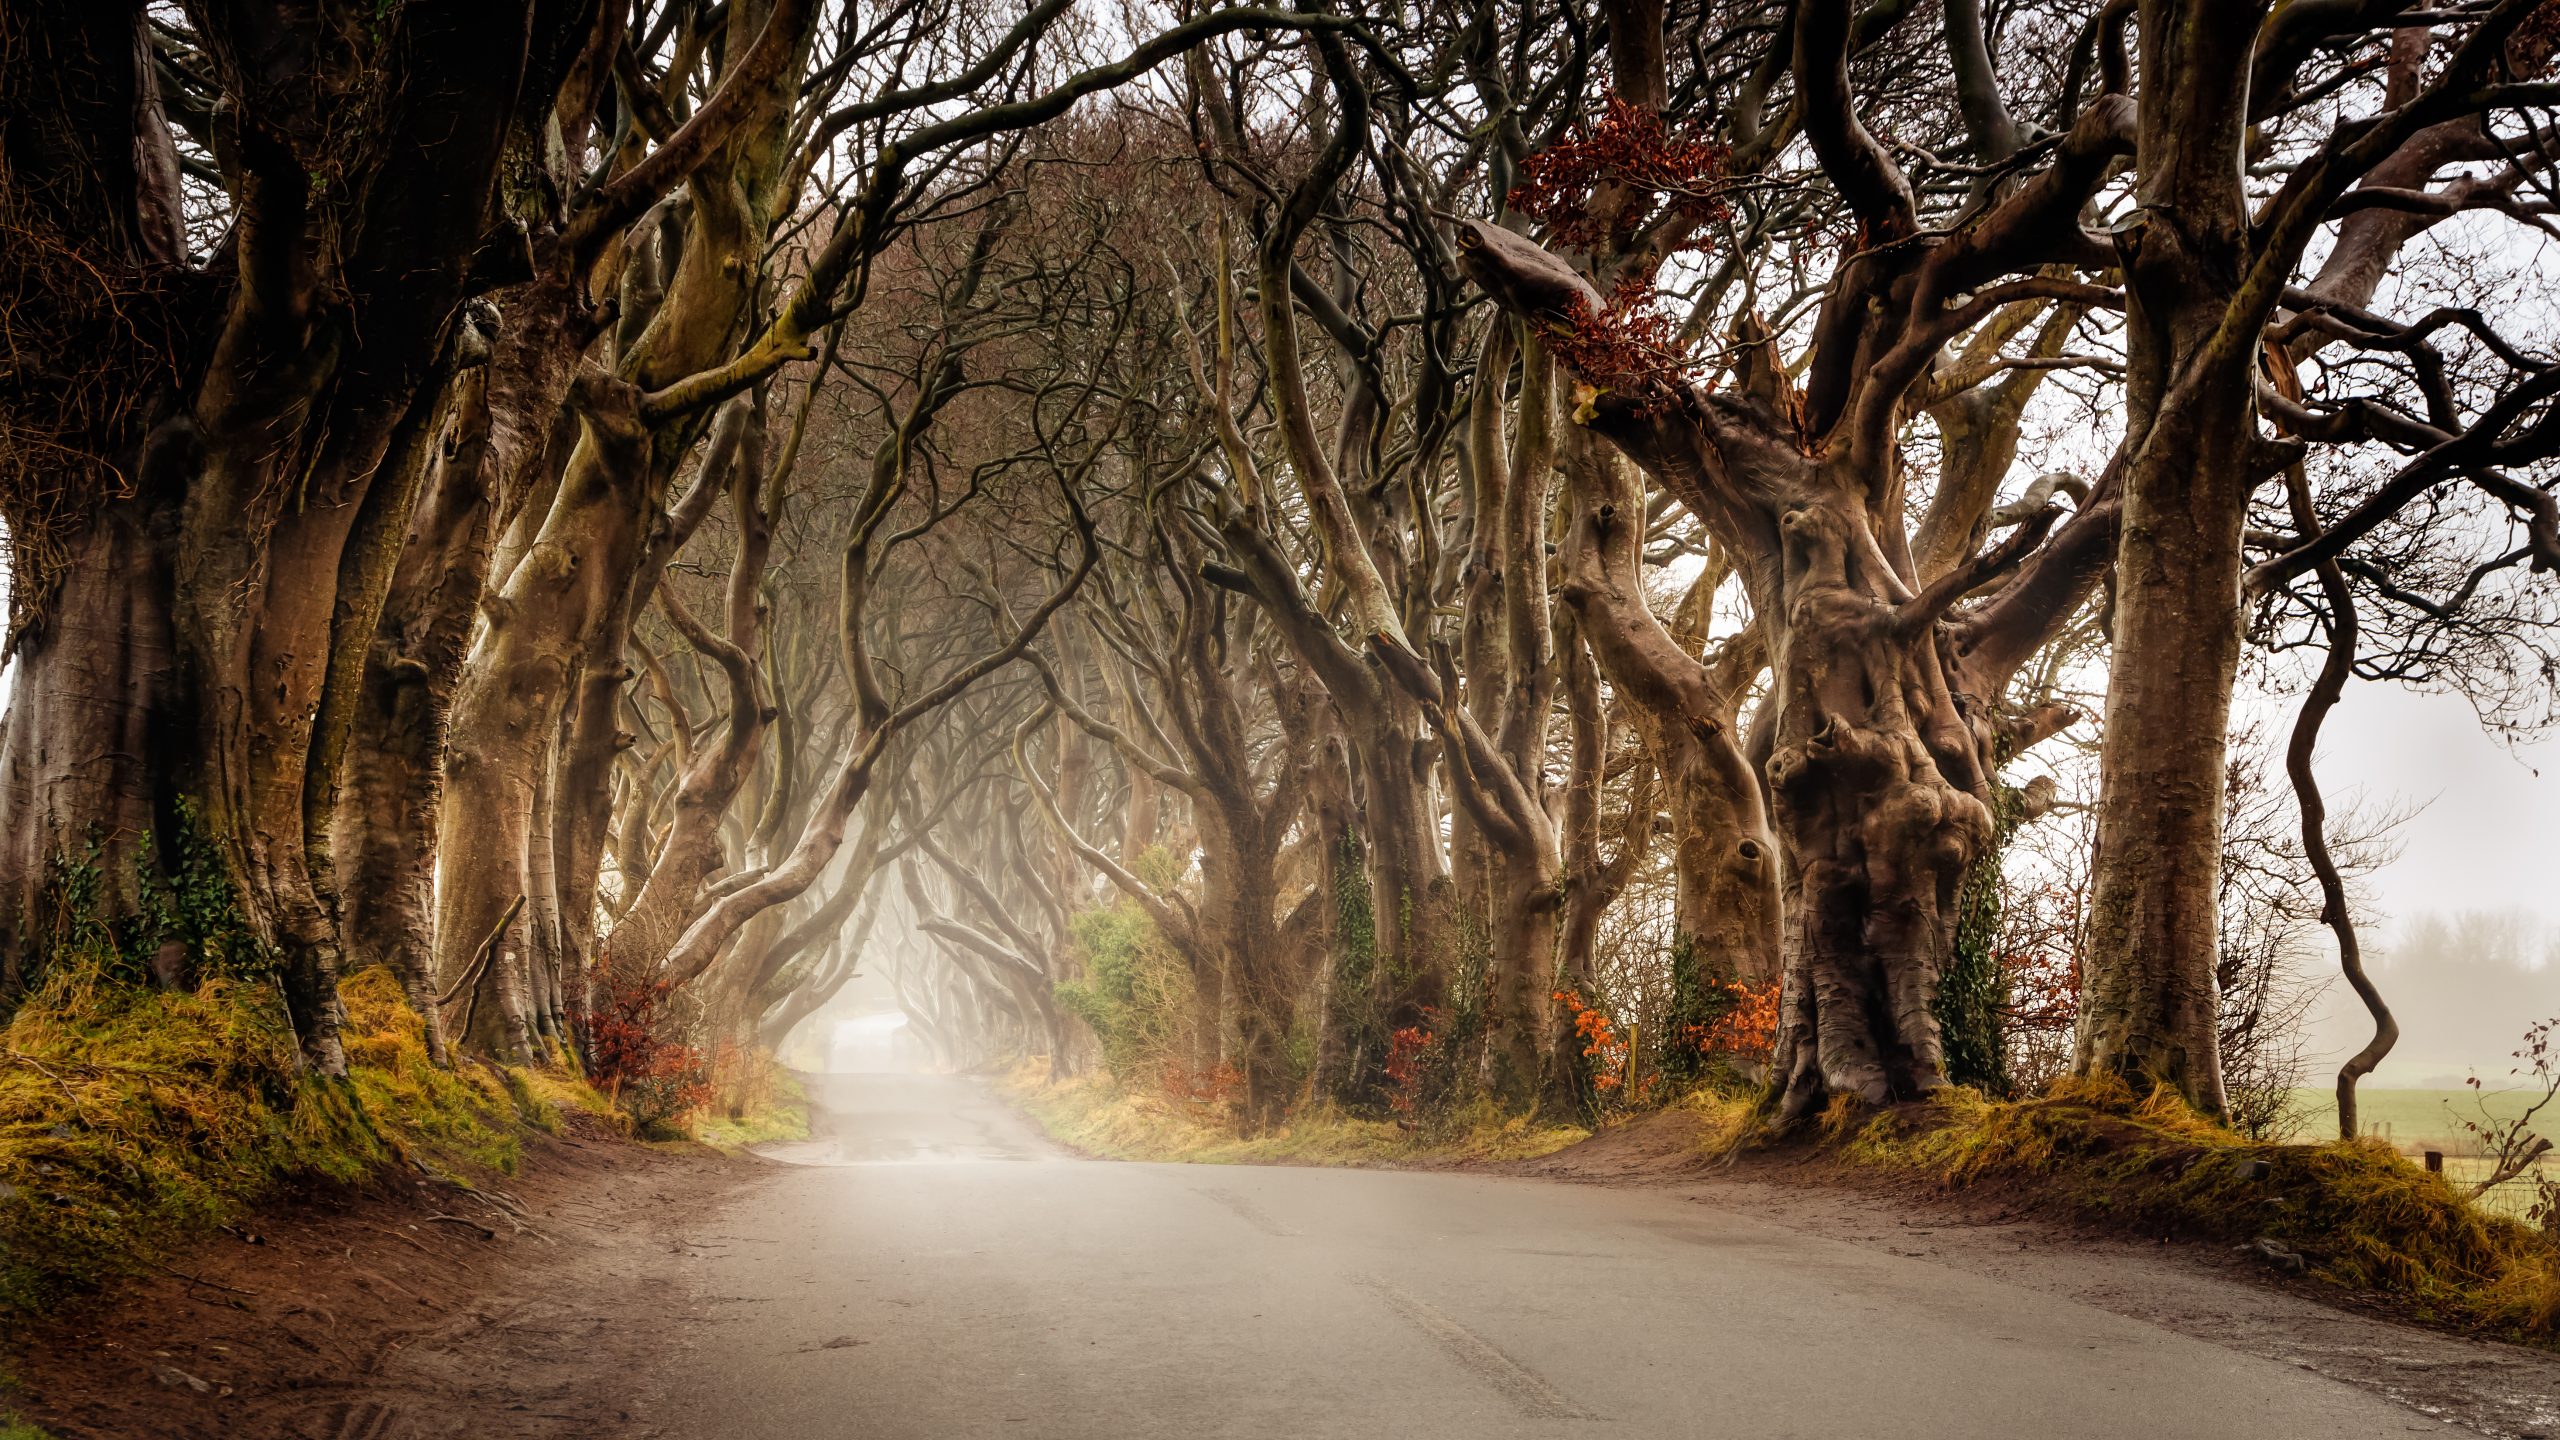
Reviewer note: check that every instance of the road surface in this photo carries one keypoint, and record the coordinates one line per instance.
(932, 1268)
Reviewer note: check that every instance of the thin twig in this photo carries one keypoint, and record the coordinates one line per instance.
(200, 1280)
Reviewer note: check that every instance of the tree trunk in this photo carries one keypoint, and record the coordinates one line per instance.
(508, 711)
(1264, 983)
(2192, 457)
(1407, 886)
(2148, 1003)
(1725, 859)
(1520, 970)
(89, 757)
(1878, 837)
(387, 815)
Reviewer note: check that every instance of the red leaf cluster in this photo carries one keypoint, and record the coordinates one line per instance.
(1629, 348)
(1601, 1042)
(1633, 160)
(1409, 1052)
(632, 1053)
(1749, 1029)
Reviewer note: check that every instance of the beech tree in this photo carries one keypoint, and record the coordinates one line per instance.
(1882, 731)
(2369, 123)
(213, 453)
(1448, 512)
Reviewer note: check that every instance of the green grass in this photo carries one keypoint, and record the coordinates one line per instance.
(13, 1428)
(2411, 1120)
(782, 1114)
(1099, 1117)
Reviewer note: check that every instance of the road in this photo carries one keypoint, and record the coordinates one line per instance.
(933, 1268)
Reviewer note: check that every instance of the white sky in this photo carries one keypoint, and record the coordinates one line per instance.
(2487, 840)
(2489, 837)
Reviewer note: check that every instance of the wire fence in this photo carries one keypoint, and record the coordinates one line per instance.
(2466, 1163)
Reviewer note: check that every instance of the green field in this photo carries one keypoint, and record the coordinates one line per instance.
(2416, 1120)
(2420, 1120)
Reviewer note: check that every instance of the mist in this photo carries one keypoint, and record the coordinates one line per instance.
(2463, 984)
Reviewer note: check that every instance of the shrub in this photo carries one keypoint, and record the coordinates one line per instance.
(1413, 1056)
(640, 1052)
(1747, 1029)
(1134, 994)
(1605, 1051)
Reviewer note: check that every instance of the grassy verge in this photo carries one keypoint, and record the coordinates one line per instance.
(131, 1118)
(2416, 1121)
(2356, 1213)
(1097, 1116)
(777, 1109)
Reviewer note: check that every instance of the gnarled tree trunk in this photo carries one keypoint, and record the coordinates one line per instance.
(387, 813)
(1724, 857)
(291, 432)
(507, 718)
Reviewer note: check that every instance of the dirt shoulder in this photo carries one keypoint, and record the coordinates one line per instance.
(409, 1308)
(2237, 1299)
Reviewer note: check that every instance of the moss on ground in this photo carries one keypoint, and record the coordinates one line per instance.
(2360, 1215)
(1098, 1116)
(131, 1117)
(13, 1428)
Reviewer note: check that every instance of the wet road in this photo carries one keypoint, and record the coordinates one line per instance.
(931, 1267)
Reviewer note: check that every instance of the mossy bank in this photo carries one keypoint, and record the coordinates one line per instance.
(2352, 1213)
(133, 1116)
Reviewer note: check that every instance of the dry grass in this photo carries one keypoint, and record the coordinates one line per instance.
(1099, 1117)
(1732, 1119)
(2359, 1214)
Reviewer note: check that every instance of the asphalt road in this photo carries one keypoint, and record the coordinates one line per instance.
(933, 1268)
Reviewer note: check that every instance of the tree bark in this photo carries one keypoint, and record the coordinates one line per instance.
(2148, 1001)
(508, 710)
(1725, 859)
(387, 815)
(314, 359)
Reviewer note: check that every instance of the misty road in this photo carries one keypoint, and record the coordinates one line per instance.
(933, 1267)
